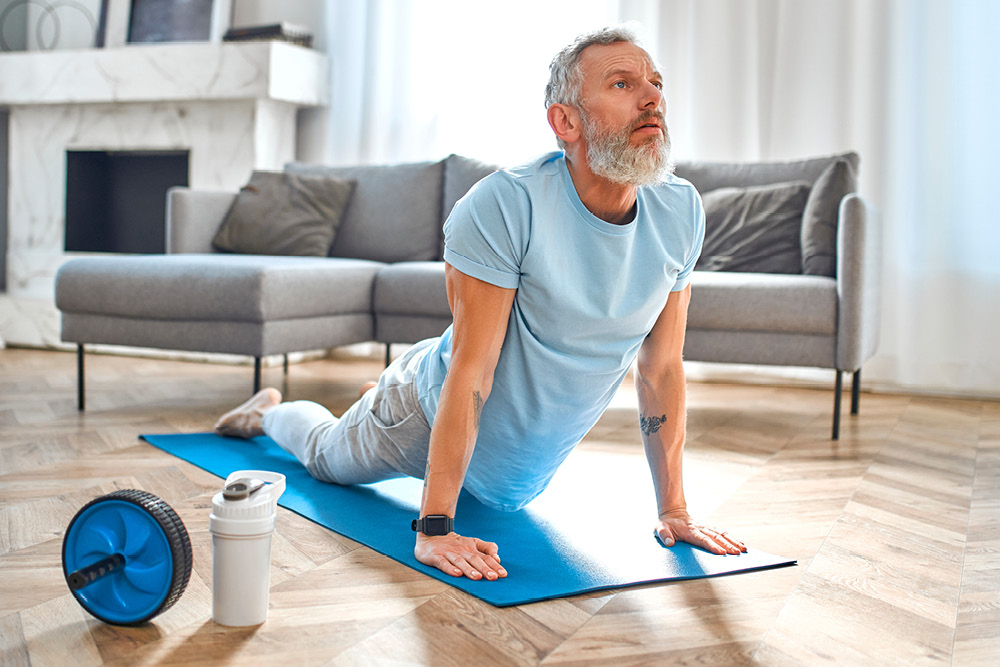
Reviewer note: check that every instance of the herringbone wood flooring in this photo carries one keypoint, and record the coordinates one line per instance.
(896, 528)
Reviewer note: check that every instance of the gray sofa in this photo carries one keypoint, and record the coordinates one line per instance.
(384, 280)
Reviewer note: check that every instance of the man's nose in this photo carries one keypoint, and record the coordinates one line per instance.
(652, 96)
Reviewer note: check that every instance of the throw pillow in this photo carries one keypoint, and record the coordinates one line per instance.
(755, 229)
(284, 214)
(819, 222)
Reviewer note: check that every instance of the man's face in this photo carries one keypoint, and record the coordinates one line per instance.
(622, 115)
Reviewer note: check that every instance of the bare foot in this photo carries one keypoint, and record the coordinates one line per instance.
(365, 387)
(244, 421)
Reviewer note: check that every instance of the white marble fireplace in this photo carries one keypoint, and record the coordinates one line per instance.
(231, 106)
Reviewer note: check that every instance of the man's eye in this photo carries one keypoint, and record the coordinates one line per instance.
(619, 84)
(659, 85)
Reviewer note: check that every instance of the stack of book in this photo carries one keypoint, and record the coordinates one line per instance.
(286, 32)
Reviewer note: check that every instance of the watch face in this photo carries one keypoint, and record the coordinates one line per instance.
(436, 525)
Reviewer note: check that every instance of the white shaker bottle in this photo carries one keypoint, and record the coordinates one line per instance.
(241, 524)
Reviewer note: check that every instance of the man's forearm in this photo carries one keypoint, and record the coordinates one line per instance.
(453, 439)
(662, 415)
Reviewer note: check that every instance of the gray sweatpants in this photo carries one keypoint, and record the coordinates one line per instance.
(382, 436)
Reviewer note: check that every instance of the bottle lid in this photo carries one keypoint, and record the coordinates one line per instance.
(242, 488)
(249, 495)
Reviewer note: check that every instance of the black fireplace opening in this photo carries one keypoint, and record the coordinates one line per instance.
(116, 200)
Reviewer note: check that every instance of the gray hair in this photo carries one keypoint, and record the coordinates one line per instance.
(565, 73)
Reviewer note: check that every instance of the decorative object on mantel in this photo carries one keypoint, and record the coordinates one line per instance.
(49, 25)
(46, 25)
(170, 21)
(285, 32)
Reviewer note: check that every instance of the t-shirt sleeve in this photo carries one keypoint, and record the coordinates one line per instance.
(486, 234)
(698, 238)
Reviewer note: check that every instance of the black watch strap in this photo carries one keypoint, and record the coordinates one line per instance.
(433, 524)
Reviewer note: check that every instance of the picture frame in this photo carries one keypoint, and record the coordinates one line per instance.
(115, 22)
(156, 21)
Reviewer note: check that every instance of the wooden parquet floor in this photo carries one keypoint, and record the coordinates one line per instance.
(896, 528)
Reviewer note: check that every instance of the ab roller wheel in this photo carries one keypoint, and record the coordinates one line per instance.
(126, 557)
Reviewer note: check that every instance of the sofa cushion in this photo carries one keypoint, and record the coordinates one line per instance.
(412, 288)
(763, 302)
(755, 229)
(250, 288)
(819, 221)
(224, 336)
(394, 214)
(284, 214)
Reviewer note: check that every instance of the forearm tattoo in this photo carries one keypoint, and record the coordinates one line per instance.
(477, 408)
(651, 424)
(477, 404)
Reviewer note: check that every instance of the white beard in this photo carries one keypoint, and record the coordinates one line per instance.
(611, 155)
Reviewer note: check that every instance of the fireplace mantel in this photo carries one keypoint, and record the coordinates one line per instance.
(164, 73)
(232, 106)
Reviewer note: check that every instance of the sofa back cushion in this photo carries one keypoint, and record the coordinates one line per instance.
(708, 176)
(822, 205)
(394, 214)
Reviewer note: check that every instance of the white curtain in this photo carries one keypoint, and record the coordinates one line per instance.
(911, 85)
(419, 79)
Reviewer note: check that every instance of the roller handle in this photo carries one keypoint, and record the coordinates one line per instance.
(85, 576)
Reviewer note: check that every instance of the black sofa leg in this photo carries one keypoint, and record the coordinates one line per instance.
(256, 374)
(838, 388)
(79, 378)
(855, 391)
(286, 365)
(388, 354)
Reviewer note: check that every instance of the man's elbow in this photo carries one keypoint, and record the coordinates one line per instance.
(474, 377)
(666, 373)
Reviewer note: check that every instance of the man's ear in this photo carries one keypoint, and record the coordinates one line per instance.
(565, 122)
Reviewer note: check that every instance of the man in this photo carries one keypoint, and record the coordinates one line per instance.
(560, 274)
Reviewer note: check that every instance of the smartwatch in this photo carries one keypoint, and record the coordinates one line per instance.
(433, 524)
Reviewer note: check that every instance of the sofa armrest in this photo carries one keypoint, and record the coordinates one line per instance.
(193, 217)
(859, 282)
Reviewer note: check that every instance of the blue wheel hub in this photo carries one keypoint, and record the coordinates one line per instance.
(126, 557)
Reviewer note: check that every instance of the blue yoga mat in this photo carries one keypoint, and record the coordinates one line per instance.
(591, 529)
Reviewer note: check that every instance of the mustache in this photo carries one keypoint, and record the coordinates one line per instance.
(650, 116)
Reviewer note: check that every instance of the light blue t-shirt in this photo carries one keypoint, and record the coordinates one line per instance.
(588, 293)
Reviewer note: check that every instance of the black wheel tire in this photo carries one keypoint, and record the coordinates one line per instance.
(177, 539)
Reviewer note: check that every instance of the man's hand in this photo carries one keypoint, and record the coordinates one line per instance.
(678, 527)
(460, 556)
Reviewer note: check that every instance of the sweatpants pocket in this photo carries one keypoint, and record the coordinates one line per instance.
(404, 445)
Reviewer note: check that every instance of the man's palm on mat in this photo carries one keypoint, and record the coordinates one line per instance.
(460, 556)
